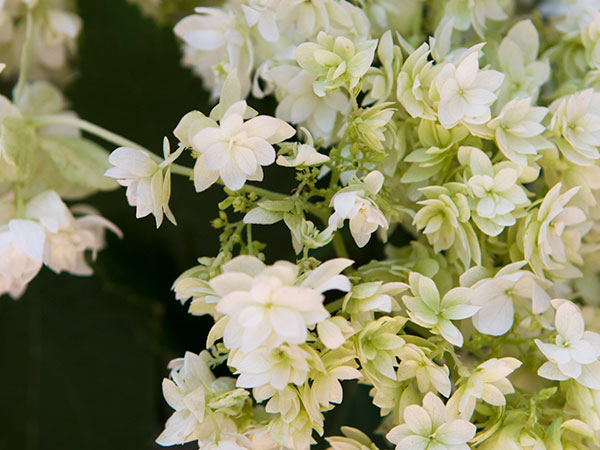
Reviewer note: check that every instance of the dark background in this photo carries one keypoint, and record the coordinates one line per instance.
(82, 358)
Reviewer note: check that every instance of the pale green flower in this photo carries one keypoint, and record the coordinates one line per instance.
(353, 440)
(576, 126)
(518, 131)
(379, 81)
(336, 61)
(494, 190)
(415, 363)
(369, 126)
(552, 236)
(487, 382)
(203, 403)
(444, 218)
(431, 427)
(518, 60)
(467, 13)
(590, 37)
(378, 344)
(414, 80)
(427, 309)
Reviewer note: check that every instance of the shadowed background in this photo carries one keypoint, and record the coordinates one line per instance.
(83, 358)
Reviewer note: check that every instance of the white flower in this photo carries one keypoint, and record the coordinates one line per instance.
(203, 403)
(414, 363)
(426, 309)
(298, 103)
(326, 387)
(303, 154)
(67, 237)
(518, 130)
(262, 15)
(303, 19)
(496, 297)
(236, 150)
(575, 352)
(215, 41)
(487, 382)
(430, 427)
(58, 32)
(265, 305)
(148, 188)
(355, 204)
(21, 252)
(576, 125)
(276, 367)
(552, 238)
(466, 92)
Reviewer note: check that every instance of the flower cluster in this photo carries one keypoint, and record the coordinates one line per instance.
(451, 148)
(449, 127)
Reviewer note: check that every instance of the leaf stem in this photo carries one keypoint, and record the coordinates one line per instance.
(26, 55)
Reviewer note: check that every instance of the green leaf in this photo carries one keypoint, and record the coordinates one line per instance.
(79, 160)
(18, 144)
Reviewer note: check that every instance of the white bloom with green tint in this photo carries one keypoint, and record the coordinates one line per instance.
(148, 187)
(298, 103)
(576, 126)
(236, 150)
(415, 363)
(518, 60)
(467, 13)
(428, 309)
(575, 352)
(466, 92)
(431, 427)
(494, 190)
(356, 204)
(202, 402)
(553, 235)
(518, 131)
(336, 61)
(276, 367)
(267, 305)
(487, 382)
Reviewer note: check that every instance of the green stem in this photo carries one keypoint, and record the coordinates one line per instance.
(339, 247)
(26, 55)
(335, 305)
(109, 136)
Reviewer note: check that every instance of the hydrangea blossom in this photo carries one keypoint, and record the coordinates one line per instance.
(430, 427)
(576, 351)
(426, 308)
(236, 150)
(268, 305)
(355, 203)
(466, 92)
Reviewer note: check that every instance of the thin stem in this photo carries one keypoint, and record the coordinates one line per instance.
(339, 246)
(109, 136)
(26, 55)
(61, 119)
